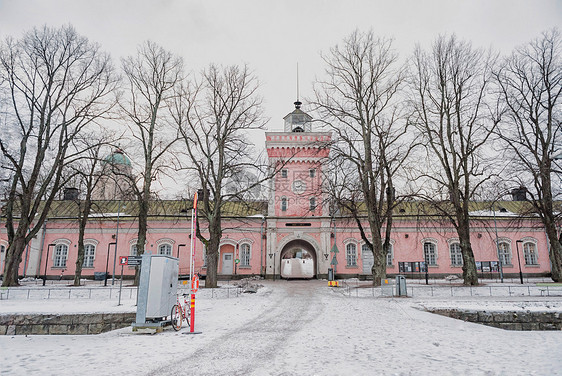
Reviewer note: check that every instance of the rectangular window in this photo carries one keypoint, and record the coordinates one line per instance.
(504, 253)
(456, 254)
(89, 253)
(61, 254)
(245, 255)
(351, 254)
(284, 173)
(389, 256)
(429, 253)
(312, 172)
(530, 254)
(283, 204)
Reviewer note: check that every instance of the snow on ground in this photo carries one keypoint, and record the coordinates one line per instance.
(293, 328)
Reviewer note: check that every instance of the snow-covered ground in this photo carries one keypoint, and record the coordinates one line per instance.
(294, 328)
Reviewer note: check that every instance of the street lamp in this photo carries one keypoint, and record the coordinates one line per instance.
(107, 262)
(180, 245)
(47, 262)
(519, 259)
(426, 267)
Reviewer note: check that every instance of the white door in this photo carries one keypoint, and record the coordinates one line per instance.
(227, 263)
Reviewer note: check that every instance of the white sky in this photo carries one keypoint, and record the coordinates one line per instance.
(272, 36)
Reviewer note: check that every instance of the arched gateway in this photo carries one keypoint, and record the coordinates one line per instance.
(298, 260)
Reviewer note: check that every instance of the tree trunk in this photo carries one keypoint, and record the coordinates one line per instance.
(469, 272)
(213, 248)
(13, 260)
(141, 239)
(379, 259)
(555, 251)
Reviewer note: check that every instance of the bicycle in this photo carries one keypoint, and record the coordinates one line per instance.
(180, 311)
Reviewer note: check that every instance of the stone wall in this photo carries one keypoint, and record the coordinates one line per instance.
(510, 320)
(92, 323)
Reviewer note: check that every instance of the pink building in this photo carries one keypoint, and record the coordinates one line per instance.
(293, 224)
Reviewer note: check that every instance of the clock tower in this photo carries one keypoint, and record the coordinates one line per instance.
(298, 153)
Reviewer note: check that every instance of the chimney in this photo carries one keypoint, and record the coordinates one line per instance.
(70, 194)
(519, 194)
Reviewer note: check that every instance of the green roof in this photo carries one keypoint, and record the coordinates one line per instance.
(117, 157)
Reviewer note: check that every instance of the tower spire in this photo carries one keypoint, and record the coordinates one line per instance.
(298, 102)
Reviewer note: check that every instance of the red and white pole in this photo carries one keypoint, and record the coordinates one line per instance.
(191, 263)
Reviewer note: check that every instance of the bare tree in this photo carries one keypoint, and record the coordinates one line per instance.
(87, 177)
(154, 75)
(530, 86)
(214, 116)
(56, 83)
(448, 98)
(359, 102)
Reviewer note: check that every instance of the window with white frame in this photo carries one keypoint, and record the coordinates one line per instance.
(456, 254)
(530, 253)
(165, 249)
(245, 254)
(389, 255)
(89, 255)
(351, 254)
(134, 251)
(61, 255)
(504, 253)
(430, 253)
(283, 204)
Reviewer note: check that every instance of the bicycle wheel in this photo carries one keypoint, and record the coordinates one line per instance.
(176, 317)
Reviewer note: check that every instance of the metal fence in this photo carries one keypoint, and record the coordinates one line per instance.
(351, 288)
(59, 291)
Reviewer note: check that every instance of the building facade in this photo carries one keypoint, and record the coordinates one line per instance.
(292, 234)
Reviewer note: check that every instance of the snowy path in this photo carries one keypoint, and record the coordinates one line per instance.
(251, 347)
(296, 328)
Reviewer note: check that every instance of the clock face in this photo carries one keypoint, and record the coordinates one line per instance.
(299, 186)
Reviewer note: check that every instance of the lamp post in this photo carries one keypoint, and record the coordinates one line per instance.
(47, 262)
(107, 262)
(519, 259)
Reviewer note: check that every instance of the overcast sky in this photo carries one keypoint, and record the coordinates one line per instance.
(272, 36)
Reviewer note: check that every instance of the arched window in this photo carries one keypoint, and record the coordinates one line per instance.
(351, 254)
(134, 251)
(430, 253)
(456, 255)
(312, 203)
(530, 253)
(283, 204)
(165, 249)
(245, 254)
(61, 255)
(504, 253)
(89, 255)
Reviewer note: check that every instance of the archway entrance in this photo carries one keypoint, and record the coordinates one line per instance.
(298, 260)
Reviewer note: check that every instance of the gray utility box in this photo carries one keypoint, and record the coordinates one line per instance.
(400, 287)
(157, 287)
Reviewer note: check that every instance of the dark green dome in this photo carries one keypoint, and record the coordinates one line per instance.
(118, 158)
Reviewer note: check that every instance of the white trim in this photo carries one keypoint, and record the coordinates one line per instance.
(62, 241)
(165, 240)
(93, 242)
